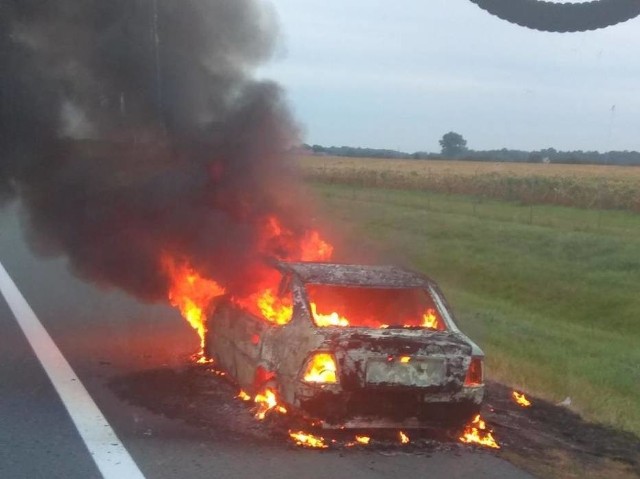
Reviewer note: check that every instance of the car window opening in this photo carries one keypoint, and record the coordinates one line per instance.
(359, 307)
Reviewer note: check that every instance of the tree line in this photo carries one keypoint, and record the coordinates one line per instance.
(454, 147)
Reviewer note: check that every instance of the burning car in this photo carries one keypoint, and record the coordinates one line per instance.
(351, 346)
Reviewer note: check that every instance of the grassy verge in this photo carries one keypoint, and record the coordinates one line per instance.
(550, 293)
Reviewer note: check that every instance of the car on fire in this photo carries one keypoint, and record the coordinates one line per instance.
(361, 346)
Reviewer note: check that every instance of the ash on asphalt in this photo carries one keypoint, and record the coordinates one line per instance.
(202, 397)
(534, 438)
(545, 433)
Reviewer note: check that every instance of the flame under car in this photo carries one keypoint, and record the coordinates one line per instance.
(360, 346)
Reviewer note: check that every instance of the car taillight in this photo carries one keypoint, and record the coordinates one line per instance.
(321, 368)
(474, 373)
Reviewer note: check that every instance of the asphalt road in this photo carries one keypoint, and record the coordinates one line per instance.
(104, 335)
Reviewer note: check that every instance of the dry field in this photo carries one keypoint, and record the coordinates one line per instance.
(585, 186)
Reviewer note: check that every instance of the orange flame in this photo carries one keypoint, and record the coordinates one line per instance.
(321, 369)
(304, 439)
(190, 293)
(359, 441)
(276, 238)
(429, 319)
(314, 248)
(243, 396)
(267, 401)
(404, 439)
(324, 320)
(477, 433)
(311, 247)
(521, 399)
(274, 309)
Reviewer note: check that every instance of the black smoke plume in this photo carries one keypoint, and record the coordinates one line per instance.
(134, 128)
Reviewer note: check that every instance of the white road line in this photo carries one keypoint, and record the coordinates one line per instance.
(111, 457)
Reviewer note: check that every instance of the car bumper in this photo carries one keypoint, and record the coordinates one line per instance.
(388, 407)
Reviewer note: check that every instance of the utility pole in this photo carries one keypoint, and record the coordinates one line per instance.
(158, 75)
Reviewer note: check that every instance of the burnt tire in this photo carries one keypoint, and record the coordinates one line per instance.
(562, 17)
(457, 417)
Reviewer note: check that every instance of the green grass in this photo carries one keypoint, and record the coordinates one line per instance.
(552, 294)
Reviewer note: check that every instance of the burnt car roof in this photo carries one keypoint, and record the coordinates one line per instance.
(355, 275)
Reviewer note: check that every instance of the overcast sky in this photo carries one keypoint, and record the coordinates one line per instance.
(400, 74)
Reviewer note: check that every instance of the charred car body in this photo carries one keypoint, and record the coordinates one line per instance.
(360, 346)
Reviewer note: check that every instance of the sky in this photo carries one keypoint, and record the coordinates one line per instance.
(399, 75)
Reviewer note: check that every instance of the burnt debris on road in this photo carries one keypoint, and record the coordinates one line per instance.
(544, 438)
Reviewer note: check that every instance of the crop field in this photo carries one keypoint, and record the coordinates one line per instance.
(584, 186)
(549, 292)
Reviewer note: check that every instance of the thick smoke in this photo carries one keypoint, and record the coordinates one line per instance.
(133, 128)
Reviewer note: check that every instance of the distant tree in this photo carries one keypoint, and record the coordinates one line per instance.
(318, 149)
(453, 144)
(535, 157)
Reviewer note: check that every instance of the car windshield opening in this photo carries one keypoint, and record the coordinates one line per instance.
(372, 307)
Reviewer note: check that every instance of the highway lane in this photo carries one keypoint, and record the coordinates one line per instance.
(104, 335)
(34, 426)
